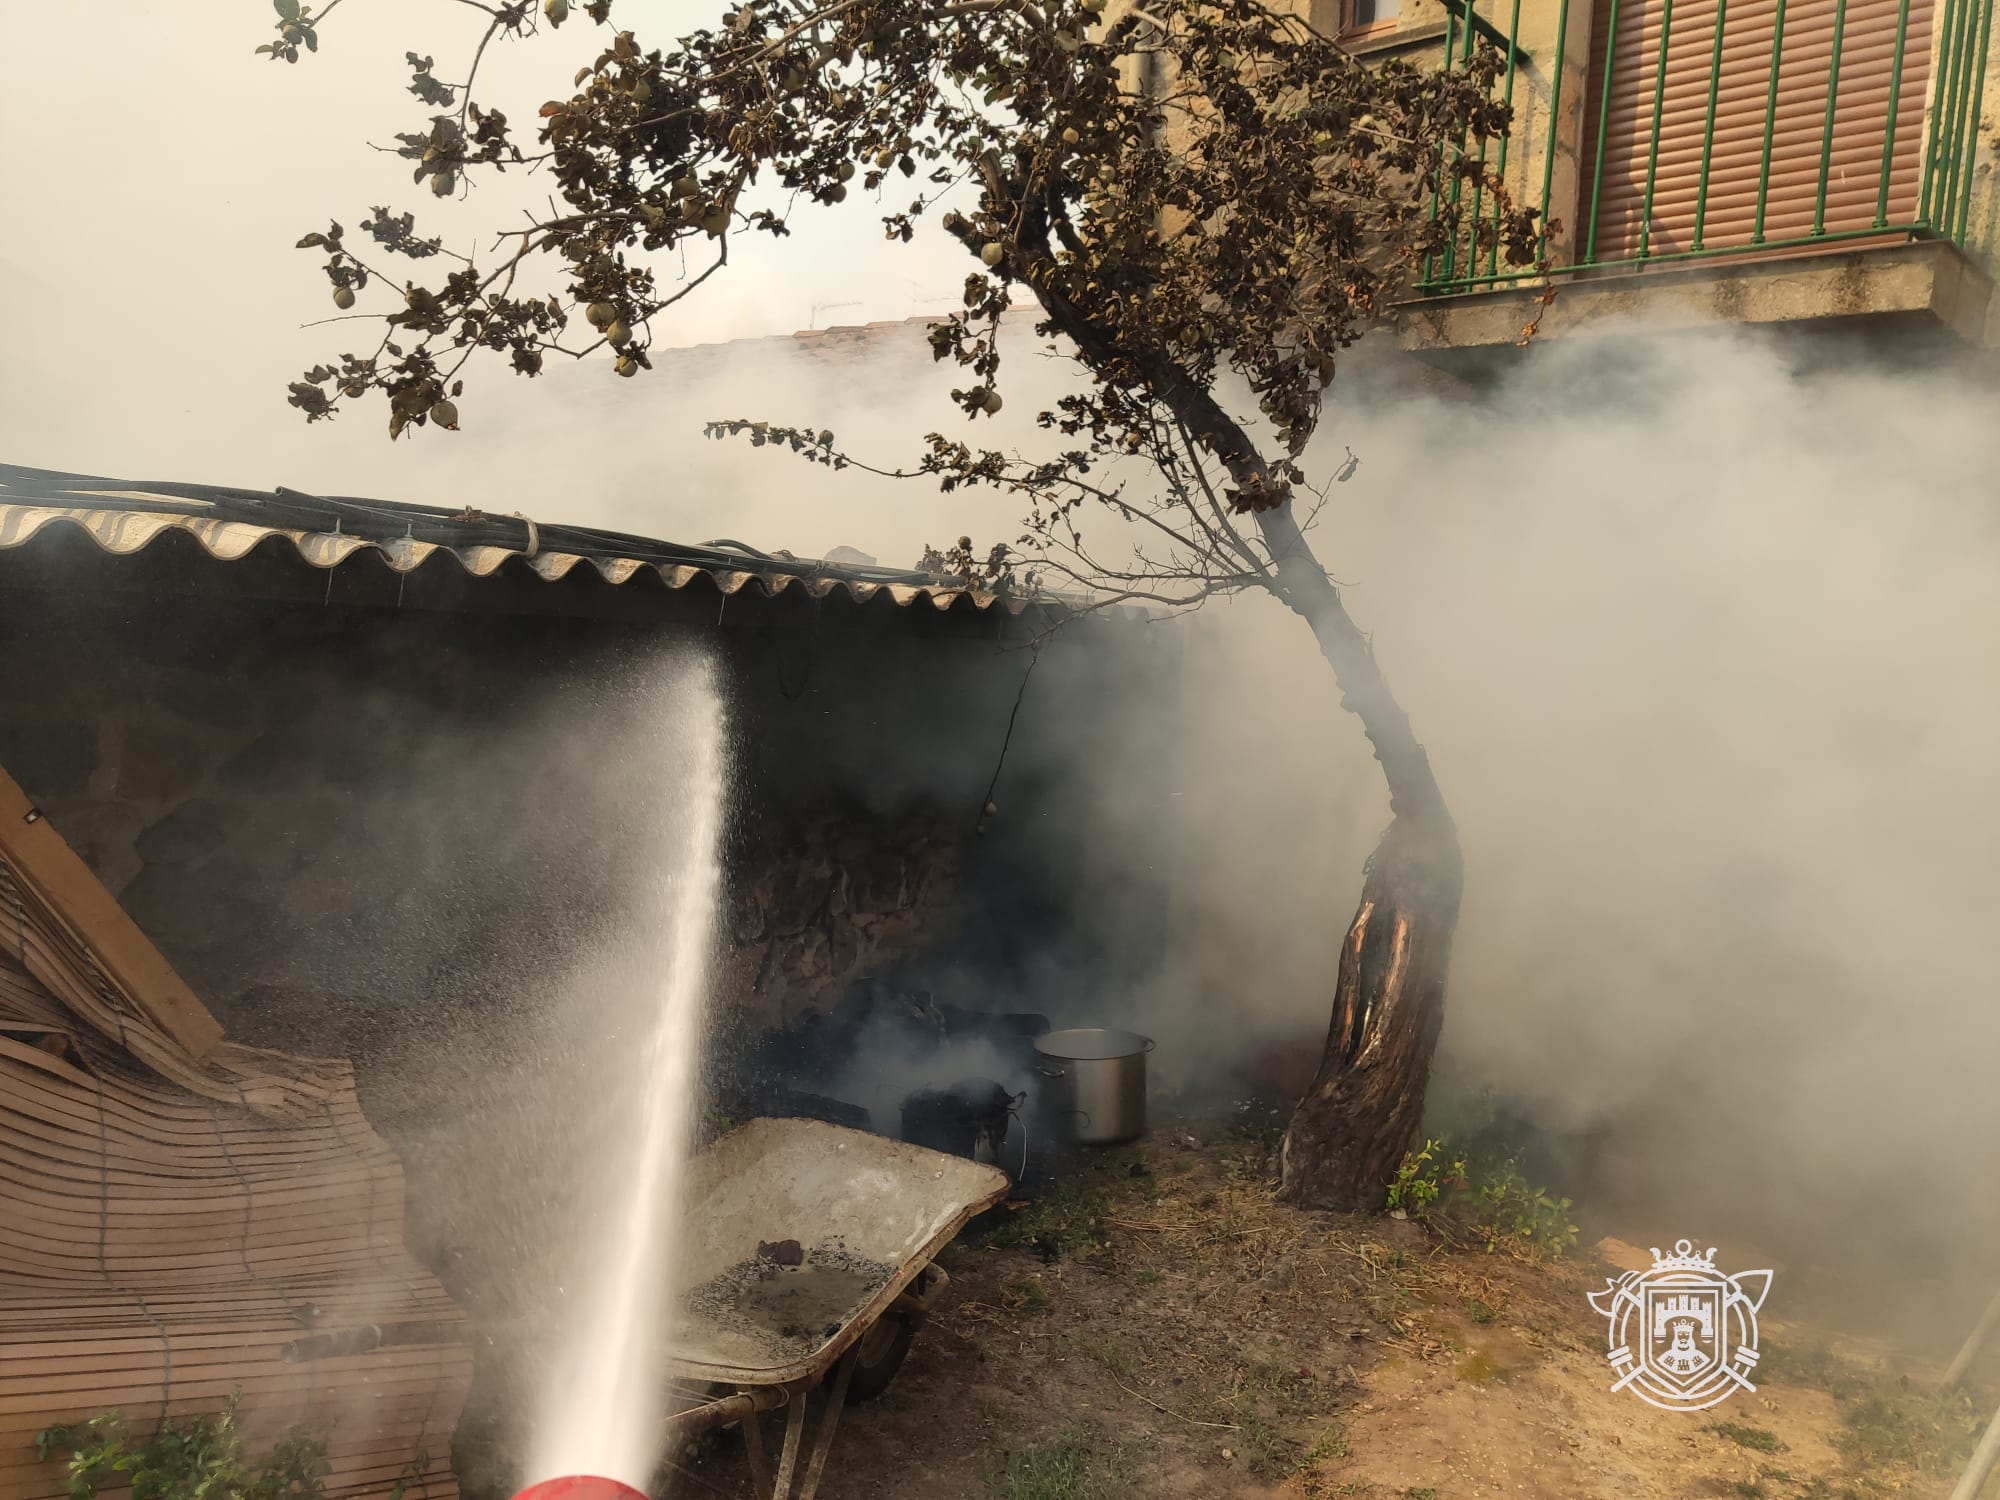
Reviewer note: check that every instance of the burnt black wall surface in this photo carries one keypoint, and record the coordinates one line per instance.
(411, 808)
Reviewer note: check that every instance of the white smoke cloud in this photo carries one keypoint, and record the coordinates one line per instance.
(1700, 645)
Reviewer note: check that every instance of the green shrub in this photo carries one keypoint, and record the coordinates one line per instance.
(1481, 1189)
(1424, 1176)
(189, 1458)
(1506, 1204)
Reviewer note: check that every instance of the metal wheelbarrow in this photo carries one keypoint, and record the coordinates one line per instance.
(852, 1197)
(847, 1197)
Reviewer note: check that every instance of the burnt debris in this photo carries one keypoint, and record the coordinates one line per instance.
(876, 1042)
(968, 1119)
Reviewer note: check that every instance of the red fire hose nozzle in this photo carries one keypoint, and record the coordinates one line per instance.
(580, 1487)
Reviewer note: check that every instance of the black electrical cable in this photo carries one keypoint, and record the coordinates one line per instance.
(986, 803)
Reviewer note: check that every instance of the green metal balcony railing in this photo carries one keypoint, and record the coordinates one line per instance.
(1717, 128)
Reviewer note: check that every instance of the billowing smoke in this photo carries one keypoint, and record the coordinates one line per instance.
(1696, 632)
(1698, 638)
(1699, 641)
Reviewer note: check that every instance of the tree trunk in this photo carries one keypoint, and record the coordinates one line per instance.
(1354, 1125)
(1352, 1129)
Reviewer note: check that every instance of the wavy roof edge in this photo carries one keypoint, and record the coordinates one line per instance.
(124, 517)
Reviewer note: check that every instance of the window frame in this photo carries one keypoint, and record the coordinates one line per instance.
(1355, 31)
(1344, 29)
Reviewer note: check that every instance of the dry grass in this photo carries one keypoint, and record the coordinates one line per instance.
(1277, 1313)
(1887, 1424)
(1206, 1227)
(1224, 1343)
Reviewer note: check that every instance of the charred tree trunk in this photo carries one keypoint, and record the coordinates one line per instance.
(1350, 1132)
(1352, 1129)
(1354, 1125)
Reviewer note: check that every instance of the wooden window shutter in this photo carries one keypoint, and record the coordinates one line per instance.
(1861, 121)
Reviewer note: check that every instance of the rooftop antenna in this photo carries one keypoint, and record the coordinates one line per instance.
(820, 307)
(917, 299)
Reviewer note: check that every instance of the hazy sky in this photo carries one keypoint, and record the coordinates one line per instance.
(155, 175)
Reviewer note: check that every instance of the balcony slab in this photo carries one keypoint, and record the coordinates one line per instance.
(1922, 287)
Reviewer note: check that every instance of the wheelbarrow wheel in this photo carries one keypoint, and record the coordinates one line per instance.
(879, 1356)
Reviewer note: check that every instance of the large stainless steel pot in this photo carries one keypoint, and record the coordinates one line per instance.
(1094, 1084)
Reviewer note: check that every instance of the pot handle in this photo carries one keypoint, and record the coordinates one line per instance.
(1050, 1072)
(1151, 1044)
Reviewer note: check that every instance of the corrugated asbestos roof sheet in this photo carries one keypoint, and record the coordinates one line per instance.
(124, 517)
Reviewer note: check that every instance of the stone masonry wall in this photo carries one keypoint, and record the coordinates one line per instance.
(822, 905)
(407, 810)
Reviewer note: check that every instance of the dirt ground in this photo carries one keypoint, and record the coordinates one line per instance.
(1161, 1327)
